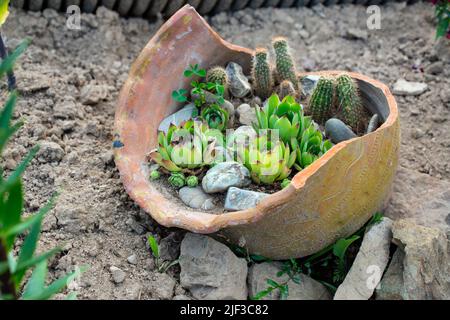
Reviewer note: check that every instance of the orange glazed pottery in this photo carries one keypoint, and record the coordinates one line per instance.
(330, 199)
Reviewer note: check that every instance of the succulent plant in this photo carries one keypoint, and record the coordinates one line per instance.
(286, 88)
(215, 116)
(218, 75)
(267, 161)
(262, 74)
(284, 62)
(192, 181)
(321, 101)
(177, 180)
(155, 175)
(310, 147)
(349, 101)
(186, 148)
(285, 183)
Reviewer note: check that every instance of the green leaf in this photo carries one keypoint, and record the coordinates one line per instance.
(3, 11)
(153, 246)
(9, 61)
(11, 203)
(442, 27)
(272, 283)
(180, 95)
(25, 265)
(261, 294)
(36, 284)
(341, 246)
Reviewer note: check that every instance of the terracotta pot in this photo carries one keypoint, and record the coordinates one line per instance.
(330, 199)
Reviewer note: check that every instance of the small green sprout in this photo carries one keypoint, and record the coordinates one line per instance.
(192, 181)
(285, 183)
(161, 266)
(155, 175)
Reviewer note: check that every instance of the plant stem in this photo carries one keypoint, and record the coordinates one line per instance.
(7, 286)
(10, 74)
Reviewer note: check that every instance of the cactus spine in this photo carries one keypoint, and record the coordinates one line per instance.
(217, 75)
(286, 88)
(284, 62)
(349, 101)
(321, 101)
(262, 74)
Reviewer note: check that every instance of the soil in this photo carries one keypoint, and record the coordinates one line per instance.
(69, 82)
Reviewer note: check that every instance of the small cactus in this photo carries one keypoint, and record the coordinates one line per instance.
(262, 74)
(349, 101)
(192, 181)
(218, 75)
(155, 175)
(177, 180)
(321, 101)
(284, 62)
(285, 89)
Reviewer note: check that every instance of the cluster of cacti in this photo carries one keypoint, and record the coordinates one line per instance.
(322, 100)
(218, 75)
(262, 74)
(284, 62)
(349, 101)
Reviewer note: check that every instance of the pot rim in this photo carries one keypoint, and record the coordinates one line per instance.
(205, 222)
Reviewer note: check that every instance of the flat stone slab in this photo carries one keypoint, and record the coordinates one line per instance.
(240, 199)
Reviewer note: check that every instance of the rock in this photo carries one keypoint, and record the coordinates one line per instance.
(246, 114)
(132, 259)
(196, 198)
(224, 175)
(337, 131)
(229, 107)
(422, 198)
(308, 83)
(408, 88)
(169, 247)
(65, 109)
(161, 286)
(369, 264)
(50, 152)
(355, 34)
(93, 94)
(184, 114)
(210, 270)
(118, 275)
(435, 68)
(239, 85)
(239, 199)
(306, 289)
(391, 285)
(426, 263)
(373, 124)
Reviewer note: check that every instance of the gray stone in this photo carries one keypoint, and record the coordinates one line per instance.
(308, 83)
(225, 175)
(210, 270)
(118, 275)
(239, 85)
(369, 264)
(241, 136)
(435, 68)
(49, 152)
(355, 34)
(229, 107)
(408, 88)
(373, 123)
(239, 199)
(426, 263)
(178, 117)
(391, 285)
(196, 198)
(306, 289)
(93, 94)
(169, 247)
(132, 259)
(247, 114)
(337, 131)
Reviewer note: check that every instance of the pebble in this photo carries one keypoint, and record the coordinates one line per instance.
(93, 94)
(118, 275)
(247, 114)
(132, 259)
(225, 175)
(239, 199)
(409, 88)
(196, 198)
(239, 85)
(337, 131)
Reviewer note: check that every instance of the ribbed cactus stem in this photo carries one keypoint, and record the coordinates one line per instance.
(262, 74)
(321, 102)
(349, 101)
(217, 75)
(284, 62)
(285, 89)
